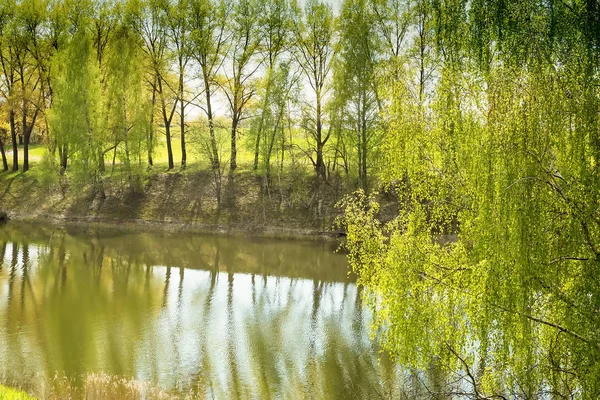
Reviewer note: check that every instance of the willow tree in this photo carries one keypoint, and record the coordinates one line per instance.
(74, 119)
(129, 101)
(506, 160)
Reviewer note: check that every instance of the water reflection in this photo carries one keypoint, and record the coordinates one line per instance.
(229, 318)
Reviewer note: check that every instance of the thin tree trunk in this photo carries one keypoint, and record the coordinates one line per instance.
(364, 146)
(257, 149)
(182, 116)
(320, 164)
(233, 161)
(167, 122)
(101, 166)
(169, 147)
(13, 135)
(359, 140)
(27, 129)
(64, 156)
(421, 60)
(272, 140)
(3, 154)
(151, 128)
(282, 150)
(213, 142)
(26, 137)
(261, 122)
(126, 137)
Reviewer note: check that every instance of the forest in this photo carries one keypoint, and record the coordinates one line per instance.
(113, 83)
(480, 118)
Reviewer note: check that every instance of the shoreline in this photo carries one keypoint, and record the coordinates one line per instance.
(183, 202)
(168, 226)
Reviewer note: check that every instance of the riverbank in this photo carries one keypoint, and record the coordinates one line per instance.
(289, 205)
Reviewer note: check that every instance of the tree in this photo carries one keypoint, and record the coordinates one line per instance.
(245, 39)
(208, 40)
(130, 103)
(75, 118)
(356, 85)
(276, 27)
(8, 56)
(32, 69)
(102, 27)
(314, 51)
(503, 157)
(151, 23)
(178, 31)
(283, 83)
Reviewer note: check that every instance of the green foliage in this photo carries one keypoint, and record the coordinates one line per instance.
(481, 116)
(491, 263)
(49, 172)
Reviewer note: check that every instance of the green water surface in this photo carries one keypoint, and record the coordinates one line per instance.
(224, 317)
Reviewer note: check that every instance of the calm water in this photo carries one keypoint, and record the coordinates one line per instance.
(237, 318)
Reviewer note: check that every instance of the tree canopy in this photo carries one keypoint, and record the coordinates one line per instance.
(491, 263)
(479, 117)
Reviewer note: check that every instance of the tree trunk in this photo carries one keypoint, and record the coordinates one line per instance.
(101, 166)
(213, 142)
(64, 156)
(233, 161)
(27, 129)
(320, 167)
(151, 128)
(257, 149)
(167, 122)
(359, 140)
(3, 154)
(169, 147)
(182, 119)
(126, 137)
(262, 121)
(26, 137)
(320, 164)
(363, 143)
(13, 136)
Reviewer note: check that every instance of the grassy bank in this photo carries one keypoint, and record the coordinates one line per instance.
(289, 204)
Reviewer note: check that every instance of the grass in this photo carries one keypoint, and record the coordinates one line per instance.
(36, 152)
(7, 393)
(195, 159)
(100, 386)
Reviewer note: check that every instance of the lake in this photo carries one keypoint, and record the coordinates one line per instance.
(215, 316)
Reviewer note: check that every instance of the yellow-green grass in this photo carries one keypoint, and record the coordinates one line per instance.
(36, 152)
(7, 393)
(196, 160)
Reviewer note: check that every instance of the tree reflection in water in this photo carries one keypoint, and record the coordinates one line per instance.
(239, 319)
